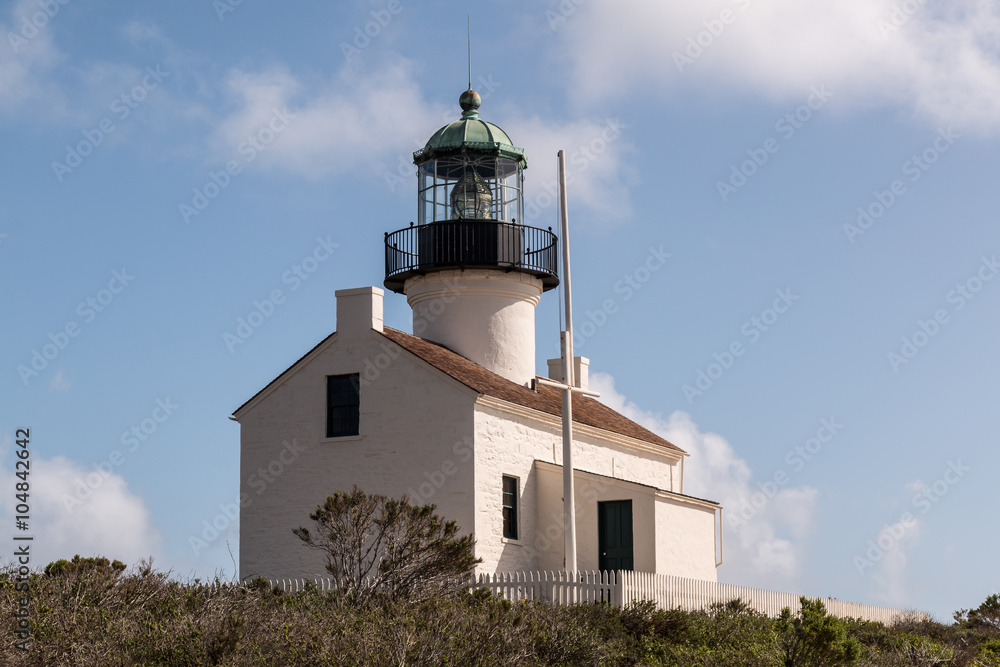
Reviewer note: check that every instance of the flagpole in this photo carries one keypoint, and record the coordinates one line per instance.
(569, 494)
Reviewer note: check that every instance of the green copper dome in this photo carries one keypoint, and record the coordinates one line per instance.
(470, 136)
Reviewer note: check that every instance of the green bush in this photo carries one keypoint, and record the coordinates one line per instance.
(812, 638)
(91, 611)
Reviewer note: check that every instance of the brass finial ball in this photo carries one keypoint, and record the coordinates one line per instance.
(470, 100)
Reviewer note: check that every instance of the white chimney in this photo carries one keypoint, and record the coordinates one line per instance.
(359, 311)
(581, 371)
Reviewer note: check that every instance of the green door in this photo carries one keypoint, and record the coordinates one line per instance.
(614, 529)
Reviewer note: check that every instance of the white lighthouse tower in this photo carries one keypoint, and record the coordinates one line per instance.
(470, 270)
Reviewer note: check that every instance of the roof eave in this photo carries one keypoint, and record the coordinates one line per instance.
(497, 149)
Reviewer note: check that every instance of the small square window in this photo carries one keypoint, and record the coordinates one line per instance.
(343, 405)
(510, 498)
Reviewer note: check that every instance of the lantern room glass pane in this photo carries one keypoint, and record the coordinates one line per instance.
(469, 187)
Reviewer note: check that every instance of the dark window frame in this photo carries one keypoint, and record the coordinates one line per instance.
(343, 405)
(510, 499)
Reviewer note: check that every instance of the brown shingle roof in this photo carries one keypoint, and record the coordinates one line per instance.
(546, 399)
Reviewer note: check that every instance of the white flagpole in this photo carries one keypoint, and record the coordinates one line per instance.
(569, 494)
(567, 386)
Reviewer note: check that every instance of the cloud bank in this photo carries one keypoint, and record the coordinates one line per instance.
(940, 60)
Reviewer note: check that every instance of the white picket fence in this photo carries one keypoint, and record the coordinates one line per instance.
(623, 588)
(667, 592)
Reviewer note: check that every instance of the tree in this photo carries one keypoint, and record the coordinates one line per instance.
(375, 543)
(986, 615)
(812, 638)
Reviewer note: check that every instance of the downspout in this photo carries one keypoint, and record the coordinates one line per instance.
(721, 528)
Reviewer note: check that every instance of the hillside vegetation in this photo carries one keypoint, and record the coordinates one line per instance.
(90, 611)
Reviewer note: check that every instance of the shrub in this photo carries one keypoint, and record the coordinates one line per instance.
(79, 565)
(814, 639)
(94, 613)
(374, 543)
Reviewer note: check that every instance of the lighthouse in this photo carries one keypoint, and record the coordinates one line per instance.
(470, 269)
(454, 413)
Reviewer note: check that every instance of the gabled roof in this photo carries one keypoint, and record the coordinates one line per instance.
(285, 372)
(545, 399)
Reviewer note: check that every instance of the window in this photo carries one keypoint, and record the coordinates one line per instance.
(342, 405)
(510, 507)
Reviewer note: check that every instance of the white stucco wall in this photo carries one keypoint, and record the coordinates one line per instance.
(518, 442)
(671, 535)
(416, 436)
(685, 538)
(591, 490)
(485, 315)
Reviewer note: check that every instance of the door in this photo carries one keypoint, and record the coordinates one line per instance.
(614, 530)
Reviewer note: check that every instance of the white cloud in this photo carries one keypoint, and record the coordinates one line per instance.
(111, 521)
(42, 83)
(373, 119)
(938, 60)
(764, 545)
(60, 382)
(140, 33)
(359, 120)
(27, 61)
(889, 573)
(596, 170)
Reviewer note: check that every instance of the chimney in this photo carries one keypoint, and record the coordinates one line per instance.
(359, 311)
(581, 371)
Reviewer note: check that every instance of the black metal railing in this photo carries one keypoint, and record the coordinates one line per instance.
(460, 244)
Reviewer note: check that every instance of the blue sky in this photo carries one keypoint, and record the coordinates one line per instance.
(167, 167)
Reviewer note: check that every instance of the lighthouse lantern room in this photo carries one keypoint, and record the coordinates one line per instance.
(471, 270)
